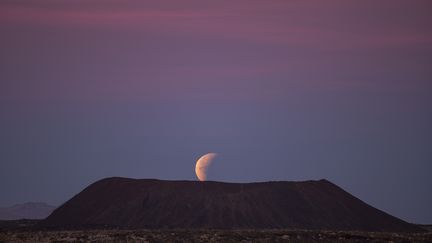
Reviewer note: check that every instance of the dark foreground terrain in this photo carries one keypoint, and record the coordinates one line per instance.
(209, 236)
(27, 231)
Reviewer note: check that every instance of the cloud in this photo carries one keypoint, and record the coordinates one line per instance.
(320, 26)
(226, 49)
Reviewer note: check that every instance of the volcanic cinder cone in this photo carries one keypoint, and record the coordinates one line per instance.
(148, 203)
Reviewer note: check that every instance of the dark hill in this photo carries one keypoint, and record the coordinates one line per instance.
(147, 203)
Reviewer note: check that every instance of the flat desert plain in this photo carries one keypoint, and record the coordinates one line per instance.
(209, 236)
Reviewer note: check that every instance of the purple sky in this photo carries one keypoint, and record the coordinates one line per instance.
(281, 90)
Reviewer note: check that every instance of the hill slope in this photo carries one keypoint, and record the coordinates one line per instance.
(147, 203)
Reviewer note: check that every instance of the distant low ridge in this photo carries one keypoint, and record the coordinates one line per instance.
(149, 203)
(30, 210)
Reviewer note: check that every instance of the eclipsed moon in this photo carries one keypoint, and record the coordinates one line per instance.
(203, 164)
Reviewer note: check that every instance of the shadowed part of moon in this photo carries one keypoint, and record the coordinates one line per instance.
(202, 165)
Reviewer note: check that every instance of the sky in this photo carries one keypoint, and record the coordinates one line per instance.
(280, 90)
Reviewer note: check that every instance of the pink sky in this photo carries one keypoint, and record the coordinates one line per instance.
(165, 50)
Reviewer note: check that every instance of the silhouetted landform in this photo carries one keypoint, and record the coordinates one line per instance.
(30, 210)
(19, 225)
(427, 227)
(158, 204)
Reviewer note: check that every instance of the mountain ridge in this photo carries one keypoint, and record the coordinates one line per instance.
(28, 210)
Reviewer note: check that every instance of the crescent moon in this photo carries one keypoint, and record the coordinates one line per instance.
(203, 164)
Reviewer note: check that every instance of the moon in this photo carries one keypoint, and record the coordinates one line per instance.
(203, 164)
